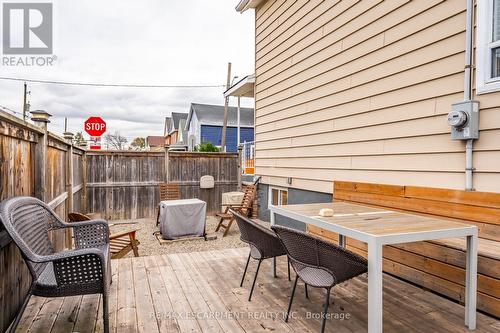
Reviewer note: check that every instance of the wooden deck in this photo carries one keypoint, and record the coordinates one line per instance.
(199, 292)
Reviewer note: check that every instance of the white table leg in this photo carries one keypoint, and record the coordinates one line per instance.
(471, 282)
(375, 305)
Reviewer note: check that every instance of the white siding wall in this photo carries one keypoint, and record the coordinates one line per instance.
(360, 90)
(194, 128)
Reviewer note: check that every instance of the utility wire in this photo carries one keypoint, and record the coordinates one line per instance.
(10, 110)
(57, 126)
(93, 84)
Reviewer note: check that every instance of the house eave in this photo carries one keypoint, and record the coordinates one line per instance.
(188, 119)
(242, 88)
(247, 4)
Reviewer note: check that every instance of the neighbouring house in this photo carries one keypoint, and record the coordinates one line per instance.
(204, 124)
(175, 128)
(361, 91)
(244, 88)
(155, 142)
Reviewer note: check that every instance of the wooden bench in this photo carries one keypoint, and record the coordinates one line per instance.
(120, 243)
(168, 191)
(435, 265)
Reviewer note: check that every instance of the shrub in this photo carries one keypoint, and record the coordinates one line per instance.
(206, 147)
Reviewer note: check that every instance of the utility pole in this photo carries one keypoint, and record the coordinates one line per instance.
(24, 101)
(226, 104)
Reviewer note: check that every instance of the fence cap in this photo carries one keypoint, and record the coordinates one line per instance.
(68, 135)
(40, 116)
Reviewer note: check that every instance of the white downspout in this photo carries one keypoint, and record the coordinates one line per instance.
(469, 168)
(238, 131)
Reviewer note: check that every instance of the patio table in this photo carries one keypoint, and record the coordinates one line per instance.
(231, 198)
(377, 227)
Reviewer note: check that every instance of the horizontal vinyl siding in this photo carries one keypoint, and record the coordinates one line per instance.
(360, 90)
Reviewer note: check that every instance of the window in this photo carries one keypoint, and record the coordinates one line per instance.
(488, 46)
(278, 196)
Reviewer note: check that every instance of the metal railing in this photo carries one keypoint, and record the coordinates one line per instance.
(247, 158)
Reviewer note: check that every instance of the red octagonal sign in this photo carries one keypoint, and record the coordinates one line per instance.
(95, 126)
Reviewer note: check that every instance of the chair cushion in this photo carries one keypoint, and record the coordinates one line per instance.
(47, 278)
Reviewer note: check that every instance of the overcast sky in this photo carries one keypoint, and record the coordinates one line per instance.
(159, 42)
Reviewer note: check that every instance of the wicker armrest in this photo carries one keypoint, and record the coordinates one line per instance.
(67, 254)
(77, 266)
(90, 234)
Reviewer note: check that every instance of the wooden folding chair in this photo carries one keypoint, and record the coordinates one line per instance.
(168, 192)
(243, 209)
(119, 244)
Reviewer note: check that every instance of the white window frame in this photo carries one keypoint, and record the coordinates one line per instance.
(484, 82)
(270, 195)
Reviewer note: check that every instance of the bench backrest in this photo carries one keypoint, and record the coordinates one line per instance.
(480, 208)
(169, 192)
(248, 200)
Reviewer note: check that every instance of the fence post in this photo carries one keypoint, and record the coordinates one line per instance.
(41, 119)
(167, 162)
(83, 145)
(68, 136)
(240, 148)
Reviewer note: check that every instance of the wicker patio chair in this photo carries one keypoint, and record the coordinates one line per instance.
(263, 245)
(83, 270)
(167, 192)
(318, 263)
(120, 243)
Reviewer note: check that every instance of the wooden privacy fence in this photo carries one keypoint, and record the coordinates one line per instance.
(186, 169)
(119, 185)
(124, 184)
(36, 163)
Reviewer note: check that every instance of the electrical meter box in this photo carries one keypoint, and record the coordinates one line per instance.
(464, 120)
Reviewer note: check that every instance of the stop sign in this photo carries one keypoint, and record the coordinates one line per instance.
(95, 126)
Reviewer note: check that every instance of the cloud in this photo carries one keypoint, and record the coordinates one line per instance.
(142, 42)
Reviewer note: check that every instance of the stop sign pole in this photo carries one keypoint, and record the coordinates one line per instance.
(95, 127)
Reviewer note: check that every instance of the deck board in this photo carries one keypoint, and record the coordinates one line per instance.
(87, 314)
(151, 294)
(161, 299)
(67, 316)
(180, 304)
(143, 299)
(229, 301)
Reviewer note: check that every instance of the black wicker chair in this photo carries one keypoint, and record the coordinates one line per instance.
(263, 245)
(83, 270)
(318, 263)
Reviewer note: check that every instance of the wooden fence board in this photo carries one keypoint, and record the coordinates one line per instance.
(119, 185)
(124, 185)
(186, 169)
(20, 174)
(16, 178)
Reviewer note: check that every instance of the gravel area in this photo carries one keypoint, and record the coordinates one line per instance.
(151, 246)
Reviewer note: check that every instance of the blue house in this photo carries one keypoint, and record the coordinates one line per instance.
(204, 124)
